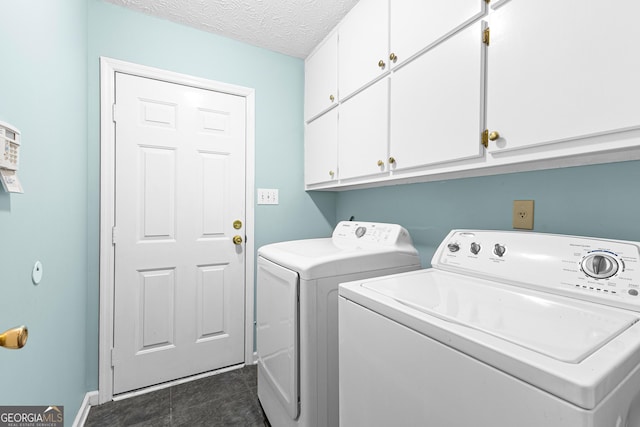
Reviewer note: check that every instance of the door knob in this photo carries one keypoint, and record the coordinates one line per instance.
(14, 338)
(494, 135)
(237, 239)
(237, 224)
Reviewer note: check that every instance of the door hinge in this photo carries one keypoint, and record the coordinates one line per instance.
(486, 36)
(113, 235)
(485, 138)
(113, 112)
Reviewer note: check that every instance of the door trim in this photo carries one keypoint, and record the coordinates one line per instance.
(108, 69)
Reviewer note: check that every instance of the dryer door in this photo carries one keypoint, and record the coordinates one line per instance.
(277, 332)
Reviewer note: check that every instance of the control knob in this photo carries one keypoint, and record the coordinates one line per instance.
(453, 247)
(599, 266)
(499, 249)
(475, 248)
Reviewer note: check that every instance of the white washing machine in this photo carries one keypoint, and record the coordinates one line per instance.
(297, 314)
(506, 329)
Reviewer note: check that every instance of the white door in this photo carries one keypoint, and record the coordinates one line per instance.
(417, 24)
(363, 132)
(437, 102)
(561, 70)
(321, 149)
(363, 43)
(179, 277)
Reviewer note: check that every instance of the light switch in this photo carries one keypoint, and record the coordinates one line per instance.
(267, 196)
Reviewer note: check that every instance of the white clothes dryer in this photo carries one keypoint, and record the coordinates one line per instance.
(506, 329)
(297, 314)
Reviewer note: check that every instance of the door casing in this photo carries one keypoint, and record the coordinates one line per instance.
(108, 68)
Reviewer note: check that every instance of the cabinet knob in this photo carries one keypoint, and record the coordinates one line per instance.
(494, 135)
(237, 239)
(380, 163)
(393, 57)
(392, 160)
(332, 98)
(331, 173)
(381, 64)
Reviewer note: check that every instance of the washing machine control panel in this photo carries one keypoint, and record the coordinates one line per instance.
(606, 271)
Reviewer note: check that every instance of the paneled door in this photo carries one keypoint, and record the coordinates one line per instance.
(179, 203)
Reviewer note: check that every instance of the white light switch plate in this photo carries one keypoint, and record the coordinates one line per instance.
(267, 196)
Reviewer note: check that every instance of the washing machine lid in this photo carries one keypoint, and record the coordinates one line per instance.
(573, 349)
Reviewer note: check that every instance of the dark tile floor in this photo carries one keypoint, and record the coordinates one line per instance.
(228, 399)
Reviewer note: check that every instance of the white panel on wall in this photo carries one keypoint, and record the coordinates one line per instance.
(211, 313)
(157, 300)
(158, 193)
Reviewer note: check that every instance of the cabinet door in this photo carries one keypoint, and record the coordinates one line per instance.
(561, 70)
(437, 103)
(363, 132)
(321, 78)
(364, 41)
(321, 149)
(417, 24)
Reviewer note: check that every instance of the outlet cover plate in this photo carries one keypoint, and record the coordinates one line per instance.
(523, 214)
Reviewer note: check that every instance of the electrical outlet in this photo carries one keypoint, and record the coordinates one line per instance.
(523, 214)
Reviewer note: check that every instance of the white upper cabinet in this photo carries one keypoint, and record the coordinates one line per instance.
(363, 132)
(321, 149)
(363, 49)
(437, 103)
(418, 24)
(562, 70)
(321, 78)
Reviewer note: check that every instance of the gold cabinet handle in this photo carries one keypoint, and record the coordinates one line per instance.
(332, 98)
(392, 160)
(494, 135)
(381, 64)
(380, 163)
(331, 173)
(237, 224)
(237, 239)
(393, 57)
(14, 338)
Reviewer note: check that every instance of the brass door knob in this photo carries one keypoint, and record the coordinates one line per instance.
(237, 224)
(392, 160)
(380, 163)
(237, 239)
(332, 98)
(494, 135)
(393, 57)
(14, 338)
(381, 64)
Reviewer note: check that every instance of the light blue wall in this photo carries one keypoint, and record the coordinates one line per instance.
(598, 201)
(43, 92)
(278, 80)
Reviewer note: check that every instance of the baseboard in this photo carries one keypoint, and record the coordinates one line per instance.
(90, 399)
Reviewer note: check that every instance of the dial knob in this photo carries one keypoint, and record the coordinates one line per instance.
(453, 247)
(599, 266)
(475, 248)
(499, 250)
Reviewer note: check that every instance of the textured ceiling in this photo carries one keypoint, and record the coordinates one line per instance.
(292, 27)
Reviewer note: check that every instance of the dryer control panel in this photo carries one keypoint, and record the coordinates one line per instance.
(371, 233)
(599, 270)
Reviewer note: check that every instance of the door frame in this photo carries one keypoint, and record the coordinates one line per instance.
(108, 69)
